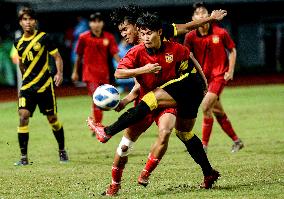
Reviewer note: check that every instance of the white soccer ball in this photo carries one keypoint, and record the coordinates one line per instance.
(106, 97)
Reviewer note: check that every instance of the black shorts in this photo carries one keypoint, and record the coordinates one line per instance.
(188, 92)
(45, 100)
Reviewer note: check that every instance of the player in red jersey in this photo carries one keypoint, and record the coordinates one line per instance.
(166, 121)
(93, 50)
(209, 44)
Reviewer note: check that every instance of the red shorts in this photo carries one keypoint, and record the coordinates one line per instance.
(92, 86)
(216, 86)
(144, 124)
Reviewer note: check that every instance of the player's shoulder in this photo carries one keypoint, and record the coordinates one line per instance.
(191, 33)
(108, 34)
(136, 49)
(173, 45)
(218, 29)
(85, 34)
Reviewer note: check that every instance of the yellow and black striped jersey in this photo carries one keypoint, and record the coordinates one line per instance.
(33, 53)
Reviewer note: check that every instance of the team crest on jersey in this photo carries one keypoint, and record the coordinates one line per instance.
(37, 46)
(169, 58)
(105, 42)
(215, 39)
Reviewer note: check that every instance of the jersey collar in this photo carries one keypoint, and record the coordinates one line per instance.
(151, 51)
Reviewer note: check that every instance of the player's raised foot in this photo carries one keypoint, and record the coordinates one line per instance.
(98, 129)
(112, 190)
(63, 157)
(210, 180)
(22, 162)
(143, 179)
(238, 145)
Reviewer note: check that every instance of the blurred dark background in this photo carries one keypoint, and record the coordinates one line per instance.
(256, 26)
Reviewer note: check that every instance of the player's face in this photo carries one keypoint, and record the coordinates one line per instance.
(27, 23)
(96, 25)
(200, 13)
(129, 32)
(150, 38)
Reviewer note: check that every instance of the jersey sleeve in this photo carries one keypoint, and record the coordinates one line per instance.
(129, 61)
(113, 48)
(50, 45)
(187, 41)
(169, 31)
(228, 42)
(80, 46)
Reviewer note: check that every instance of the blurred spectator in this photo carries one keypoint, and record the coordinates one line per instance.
(123, 84)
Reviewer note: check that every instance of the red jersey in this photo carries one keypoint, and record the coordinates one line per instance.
(95, 51)
(210, 50)
(169, 57)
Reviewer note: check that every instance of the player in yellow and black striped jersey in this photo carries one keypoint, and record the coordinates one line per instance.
(34, 48)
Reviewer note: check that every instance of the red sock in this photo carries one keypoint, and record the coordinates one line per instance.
(227, 127)
(116, 173)
(151, 164)
(206, 130)
(97, 113)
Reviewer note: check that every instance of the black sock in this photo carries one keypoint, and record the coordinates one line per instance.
(23, 142)
(59, 135)
(196, 151)
(130, 117)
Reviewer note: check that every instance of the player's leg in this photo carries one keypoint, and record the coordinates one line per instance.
(26, 107)
(207, 107)
(226, 125)
(48, 107)
(166, 122)
(121, 156)
(149, 102)
(96, 111)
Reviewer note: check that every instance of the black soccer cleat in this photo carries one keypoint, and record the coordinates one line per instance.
(22, 162)
(63, 157)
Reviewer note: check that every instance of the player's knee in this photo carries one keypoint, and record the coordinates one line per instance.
(184, 136)
(125, 147)
(52, 118)
(150, 100)
(24, 118)
(164, 135)
(55, 125)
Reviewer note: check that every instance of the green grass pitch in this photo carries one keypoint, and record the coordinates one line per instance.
(257, 171)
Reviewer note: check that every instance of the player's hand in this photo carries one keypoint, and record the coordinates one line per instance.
(58, 78)
(218, 14)
(228, 76)
(75, 77)
(152, 68)
(121, 105)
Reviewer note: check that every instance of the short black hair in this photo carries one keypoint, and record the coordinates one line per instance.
(128, 13)
(26, 11)
(149, 21)
(96, 16)
(198, 5)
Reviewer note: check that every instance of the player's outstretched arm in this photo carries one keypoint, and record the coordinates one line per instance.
(127, 73)
(58, 78)
(216, 15)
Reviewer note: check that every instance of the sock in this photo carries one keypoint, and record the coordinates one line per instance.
(206, 130)
(130, 117)
(97, 113)
(23, 142)
(59, 135)
(196, 151)
(151, 164)
(116, 171)
(227, 127)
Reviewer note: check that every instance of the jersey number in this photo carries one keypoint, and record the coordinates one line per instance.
(30, 56)
(22, 102)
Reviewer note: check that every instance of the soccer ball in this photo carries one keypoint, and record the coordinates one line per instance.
(106, 97)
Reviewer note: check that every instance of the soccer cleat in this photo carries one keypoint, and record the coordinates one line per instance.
(210, 180)
(112, 190)
(237, 146)
(143, 179)
(63, 157)
(98, 129)
(22, 162)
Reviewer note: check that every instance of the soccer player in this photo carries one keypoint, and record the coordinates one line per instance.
(148, 83)
(210, 45)
(33, 49)
(93, 50)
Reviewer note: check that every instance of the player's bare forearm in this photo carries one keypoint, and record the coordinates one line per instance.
(58, 78)
(216, 15)
(232, 62)
(127, 73)
(75, 75)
